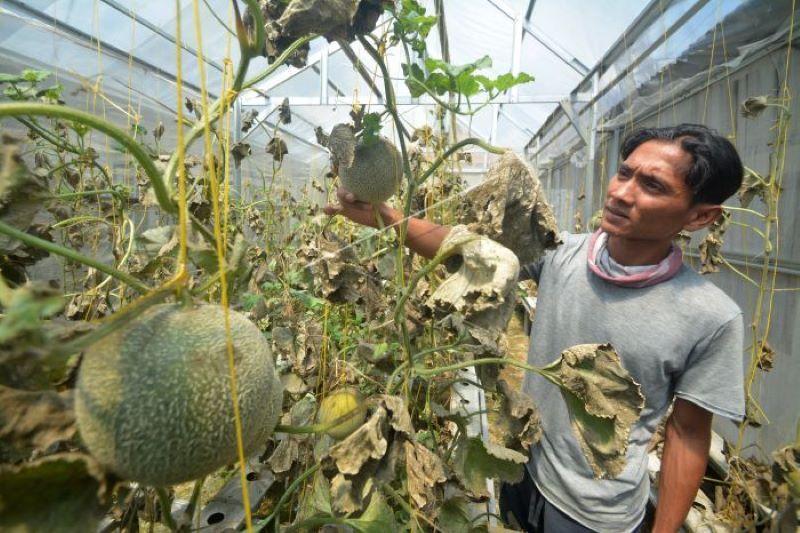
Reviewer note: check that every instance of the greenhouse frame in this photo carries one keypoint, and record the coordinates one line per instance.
(191, 339)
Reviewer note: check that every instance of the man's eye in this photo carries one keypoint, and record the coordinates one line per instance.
(654, 185)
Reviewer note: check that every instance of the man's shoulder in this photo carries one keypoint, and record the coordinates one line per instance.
(571, 243)
(698, 292)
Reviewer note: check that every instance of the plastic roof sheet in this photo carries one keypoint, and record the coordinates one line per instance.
(127, 50)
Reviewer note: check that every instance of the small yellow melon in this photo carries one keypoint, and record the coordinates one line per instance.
(345, 404)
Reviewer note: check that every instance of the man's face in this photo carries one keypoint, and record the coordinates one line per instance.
(649, 199)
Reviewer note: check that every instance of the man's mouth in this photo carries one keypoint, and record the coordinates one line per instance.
(615, 212)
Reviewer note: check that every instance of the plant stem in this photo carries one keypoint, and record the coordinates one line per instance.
(166, 510)
(135, 149)
(469, 141)
(217, 108)
(71, 254)
(430, 372)
(275, 514)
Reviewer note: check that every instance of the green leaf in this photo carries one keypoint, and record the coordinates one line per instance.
(476, 461)
(506, 81)
(52, 93)
(454, 516)
(378, 517)
(372, 127)
(486, 83)
(440, 83)
(56, 494)
(467, 85)
(35, 76)
(414, 75)
(10, 78)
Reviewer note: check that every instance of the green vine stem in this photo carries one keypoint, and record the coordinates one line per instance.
(275, 514)
(762, 316)
(223, 102)
(135, 149)
(542, 371)
(450, 151)
(166, 509)
(53, 248)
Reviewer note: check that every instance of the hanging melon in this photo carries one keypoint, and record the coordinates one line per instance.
(153, 399)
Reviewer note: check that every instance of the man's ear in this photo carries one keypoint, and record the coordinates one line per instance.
(702, 215)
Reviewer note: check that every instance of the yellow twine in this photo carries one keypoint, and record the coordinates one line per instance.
(221, 261)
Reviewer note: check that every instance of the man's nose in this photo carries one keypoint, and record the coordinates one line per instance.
(622, 190)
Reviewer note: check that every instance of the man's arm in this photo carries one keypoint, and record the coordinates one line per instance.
(422, 236)
(683, 464)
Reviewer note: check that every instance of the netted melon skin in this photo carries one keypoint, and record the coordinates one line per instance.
(375, 173)
(153, 401)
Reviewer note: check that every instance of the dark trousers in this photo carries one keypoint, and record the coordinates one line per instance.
(523, 506)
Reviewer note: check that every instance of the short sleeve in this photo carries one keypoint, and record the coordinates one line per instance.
(714, 376)
(531, 271)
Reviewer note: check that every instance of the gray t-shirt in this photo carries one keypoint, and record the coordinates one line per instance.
(680, 338)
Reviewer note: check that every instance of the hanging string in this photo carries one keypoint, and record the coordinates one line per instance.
(183, 230)
(212, 171)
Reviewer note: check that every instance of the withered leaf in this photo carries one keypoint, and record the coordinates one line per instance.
(710, 254)
(285, 112)
(21, 194)
(510, 208)
(603, 402)
(399, 418)
(425, 471)
(343, 496)
(59, 493)
(24, 308)
(248, 119)
(277, 148)
(240, 151)
(158, 132)
(342, 144)
(517, 419)
(35, 419)
(365, 443)
(291, 447)
(476, 461)
(766, 357)
(752, 185)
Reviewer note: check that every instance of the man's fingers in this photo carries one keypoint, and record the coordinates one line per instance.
(345, 196)
(332, 210)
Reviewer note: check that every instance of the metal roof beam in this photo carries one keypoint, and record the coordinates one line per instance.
(157, 30)
(569, 59)
(72, 31)
(401, 100)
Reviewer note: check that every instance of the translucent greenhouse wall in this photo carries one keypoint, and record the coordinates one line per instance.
(722, 53)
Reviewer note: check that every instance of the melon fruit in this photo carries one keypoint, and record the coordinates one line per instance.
(153, 401)
(375, 172)
(345, 405)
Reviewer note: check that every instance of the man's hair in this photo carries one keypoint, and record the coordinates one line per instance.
(716, 171)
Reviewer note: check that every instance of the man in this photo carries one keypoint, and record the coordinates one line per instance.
(677, 334)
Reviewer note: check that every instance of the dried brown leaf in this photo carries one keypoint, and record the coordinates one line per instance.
(367, 442)
(425, 471)
(510, 208)
(35, 419)
(59, 493)
(603, 401)
(517, 419)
